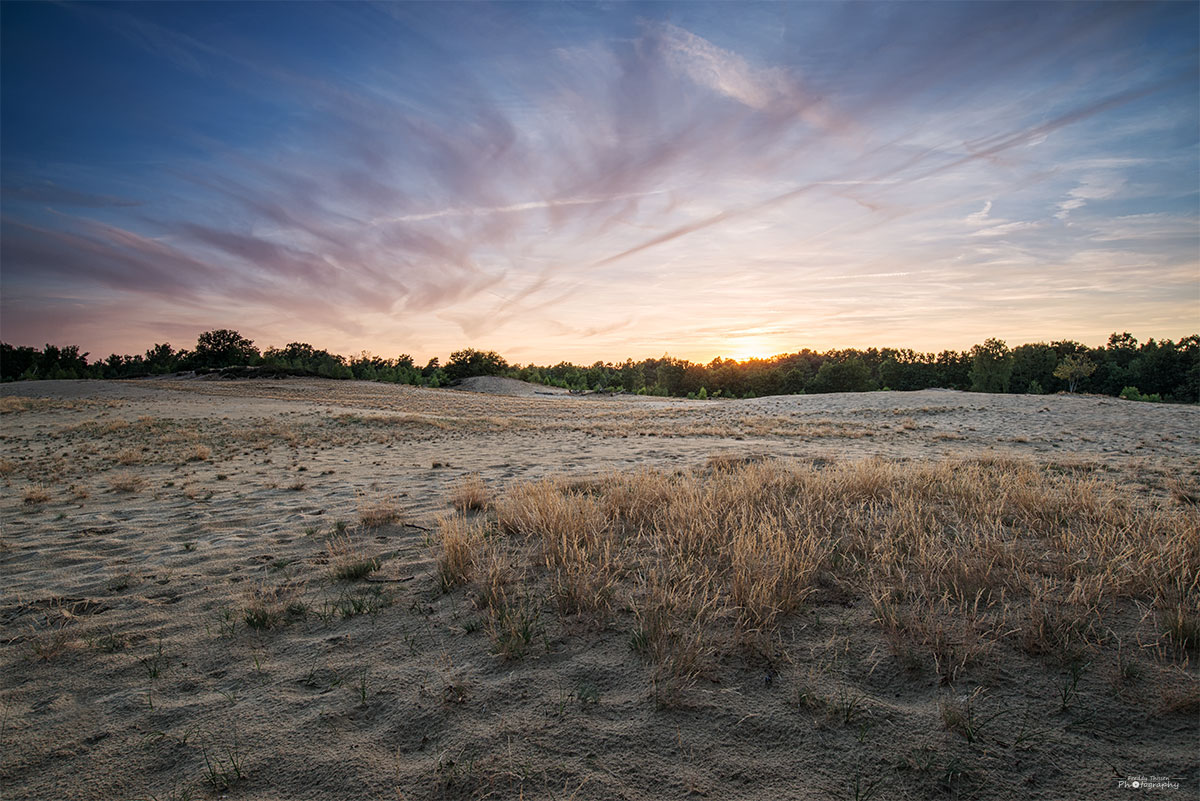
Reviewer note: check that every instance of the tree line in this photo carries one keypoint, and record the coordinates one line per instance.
(1152, 370)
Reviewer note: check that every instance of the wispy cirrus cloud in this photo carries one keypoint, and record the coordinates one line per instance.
(531, 179)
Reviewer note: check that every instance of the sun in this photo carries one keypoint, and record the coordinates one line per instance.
(751, 347)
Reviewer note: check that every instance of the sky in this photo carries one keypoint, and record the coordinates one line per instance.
(588, 182)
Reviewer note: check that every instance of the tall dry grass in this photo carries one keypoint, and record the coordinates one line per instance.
(956, 558)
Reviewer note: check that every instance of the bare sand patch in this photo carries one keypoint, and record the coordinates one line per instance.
(316, 589)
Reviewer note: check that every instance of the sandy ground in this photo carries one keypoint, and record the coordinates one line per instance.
(138, 516)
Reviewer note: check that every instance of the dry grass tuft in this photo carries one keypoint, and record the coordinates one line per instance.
(380, 511)
(470, 494)
(53, 635)
(269, 606)
(515, 627)
(35, 496)
(461, 542)
(201, 453)
(12, 403)
(127, 482)
(129, 456)
(7, 467)
(348, 561)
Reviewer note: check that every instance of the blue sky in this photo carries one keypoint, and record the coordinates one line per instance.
(572, 181)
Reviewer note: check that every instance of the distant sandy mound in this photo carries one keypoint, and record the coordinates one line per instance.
(495, 385)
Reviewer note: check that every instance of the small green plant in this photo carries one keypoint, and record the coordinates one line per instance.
(1069, 691)
(322, 679)
(157, 662)
(962, 715)
(227, 623)
(560, 704)
(174, 794)
(455, 773)
(514, 628)
(1127, 670)
(356, 569)
(587, 694)
(361, 688)
(954, 775)
(260, 617)
(368, 600)
(348, 562)
(808, 698)
(861, 789)
(110, 642)
(223, 772)
(1027, 735)
(847, 705)
(269, 606)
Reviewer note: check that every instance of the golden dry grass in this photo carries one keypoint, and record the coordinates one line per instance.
(470, 494)
(956, 558)
(35, 495)
(200, 453)
(126, 482)
(374, 512)
(460, 545)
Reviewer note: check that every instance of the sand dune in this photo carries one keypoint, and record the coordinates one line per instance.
(145, 522)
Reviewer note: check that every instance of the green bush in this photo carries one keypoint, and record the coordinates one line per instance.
(1131, 393)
